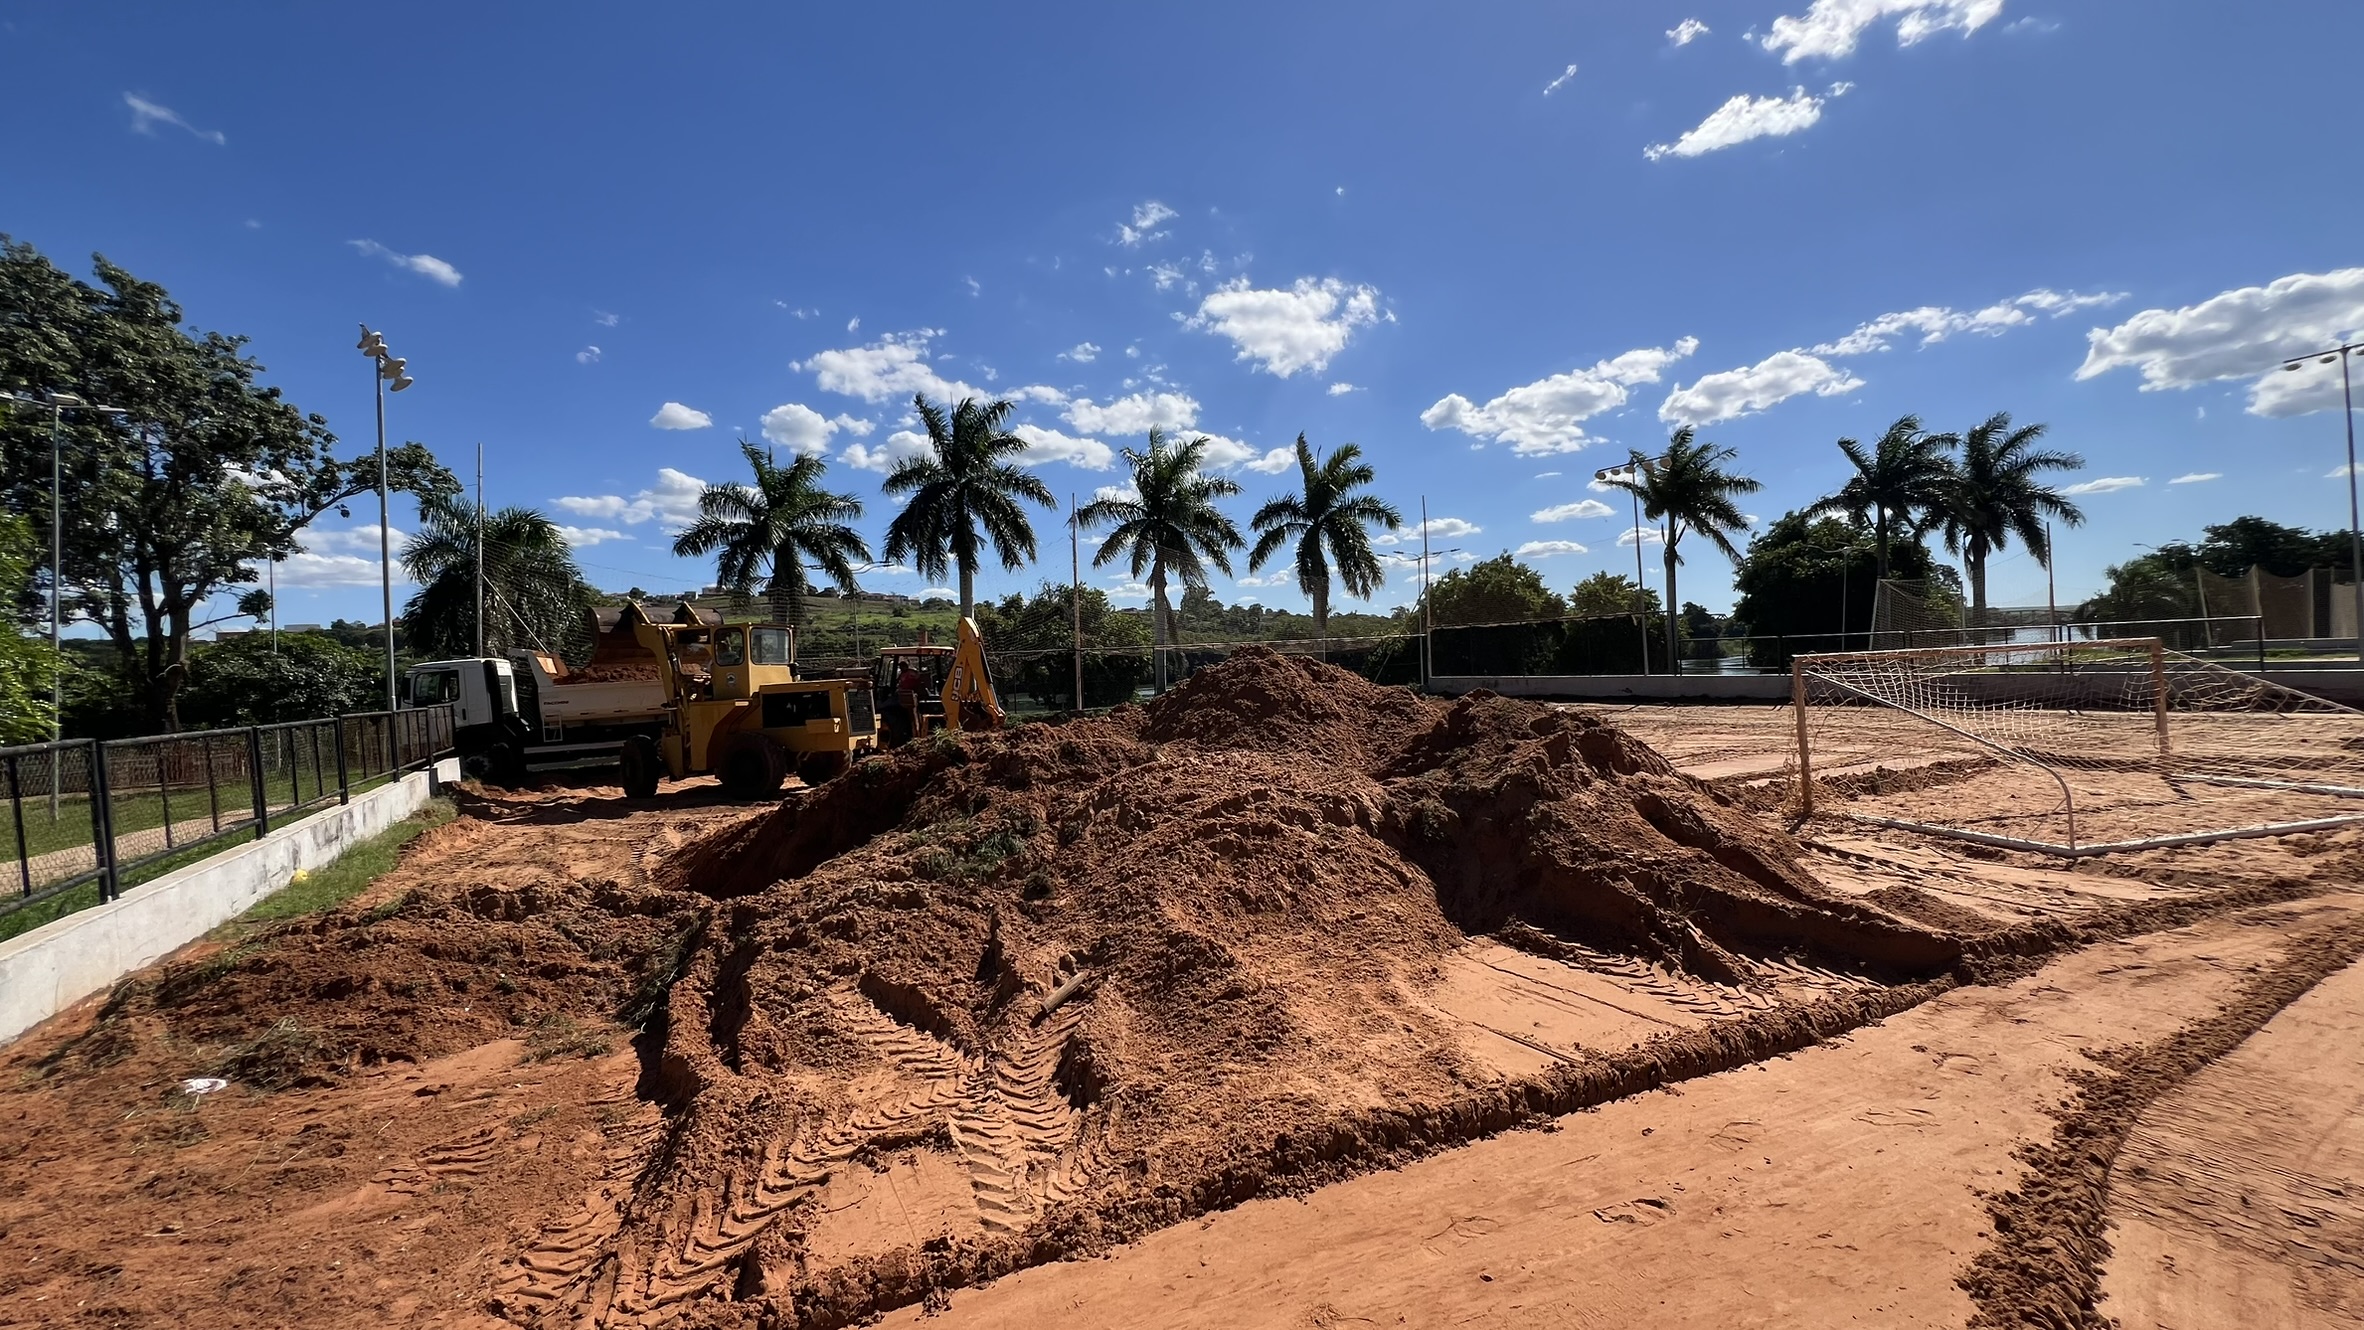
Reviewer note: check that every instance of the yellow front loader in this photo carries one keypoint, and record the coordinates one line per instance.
(734, 707)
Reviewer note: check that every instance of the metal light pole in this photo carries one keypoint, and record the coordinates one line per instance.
(58, 404)
(1632, 471)
(480, 551)
(1075, 595)
(2348, 412)
(389, 375)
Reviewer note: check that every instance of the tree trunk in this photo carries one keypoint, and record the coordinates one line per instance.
(1880, 528)
(1976, 558)
(1674, 656)
(968, 591)
(1160, 625)
(1321, 615)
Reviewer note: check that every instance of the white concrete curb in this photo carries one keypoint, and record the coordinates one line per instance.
(66, 960)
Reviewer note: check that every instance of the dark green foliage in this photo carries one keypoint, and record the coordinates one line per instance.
(27, 670)
(173, 504)
(1811, 578)
(241, 681)
(1327, 526)
(1033, 646)
(1496, 590)
(534, 595)
(1169, 527)
(1995, 493)
(965, 493)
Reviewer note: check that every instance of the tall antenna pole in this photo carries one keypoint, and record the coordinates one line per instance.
(1427, 609)
(1075, 593)
(479, 549)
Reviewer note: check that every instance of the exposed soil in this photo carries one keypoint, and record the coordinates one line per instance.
(979, 1004)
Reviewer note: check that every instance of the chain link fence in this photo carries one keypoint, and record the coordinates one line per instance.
(90, 818)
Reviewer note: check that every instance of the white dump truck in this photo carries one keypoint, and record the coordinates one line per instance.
(531, 712)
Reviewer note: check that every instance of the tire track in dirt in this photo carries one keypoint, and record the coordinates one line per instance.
(2044, 1267)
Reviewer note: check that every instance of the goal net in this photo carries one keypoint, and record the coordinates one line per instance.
(2071, 748)
(1912, 613)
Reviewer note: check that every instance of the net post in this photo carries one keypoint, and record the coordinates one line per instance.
(1797, 703)
(2159, 692)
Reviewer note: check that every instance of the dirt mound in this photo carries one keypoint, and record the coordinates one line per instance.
(992, 998)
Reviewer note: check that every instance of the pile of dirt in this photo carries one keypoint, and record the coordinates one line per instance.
(1061, 984)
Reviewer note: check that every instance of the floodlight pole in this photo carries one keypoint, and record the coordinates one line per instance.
(385, 543)
(480, 549)
(2347, 402)
(1075, 595)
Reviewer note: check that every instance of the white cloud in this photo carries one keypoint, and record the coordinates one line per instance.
(854, 324)
(1549, 88)
(1133, 414)
(800, 311)
(1082, 353)
(1746, 391)
(1275, 578)
(1273, 462)
(1436, 528)
(1119, 493)
(1935, 323)
(2241, 334)
(793, 425)
(898, 445)
(1686, 32)
(1129, 591)
(588, 535)
(425, 265)
(589, 355)
(1133, 352)
(1565, 512)
(1830, 29)
(2196, 477)
(937, 593)
(673, 415)
(1545, 475)
(2105, 485)
(605, 319)
(1146, 219)
(1545, 549)
(1285, 331)
(1744, 118)
(976, 288)
(898, 365)
(1548, 415)
(2036, 26)
(1640, 535)
(306, 569)
(146, 115)
(2339, 472)
(672, 502)
(360, 540)
(1049, 445)
(1341, 388)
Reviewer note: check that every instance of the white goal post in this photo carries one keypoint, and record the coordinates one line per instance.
(2071, 748)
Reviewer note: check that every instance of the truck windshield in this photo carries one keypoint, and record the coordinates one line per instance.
(429, 688)
(729, 647)
(770, 646)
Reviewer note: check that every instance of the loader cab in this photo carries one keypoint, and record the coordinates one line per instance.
(748, 657)
(482, 694)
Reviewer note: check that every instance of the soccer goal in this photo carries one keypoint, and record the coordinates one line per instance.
(2070, 748)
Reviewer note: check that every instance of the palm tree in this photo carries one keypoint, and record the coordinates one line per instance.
(1995, 494)
(774, 527)
(533, 593)
(1901, 482)
(1329, 523)
(1688, 487)
(969, 483)
(1169, 526)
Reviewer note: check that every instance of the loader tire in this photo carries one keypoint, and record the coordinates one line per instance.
(752, 767)
(817, 768)
(640, 765)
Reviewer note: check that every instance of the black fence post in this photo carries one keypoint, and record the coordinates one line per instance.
(102, 824)
(16, 808)
(2260, 622)
(213, 793)
(254, 780)
(344, 785)
(158, 754)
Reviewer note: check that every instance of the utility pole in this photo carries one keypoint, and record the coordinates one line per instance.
(274, 607)
(389, 375)
(1075, 593)
(480, 549)
(2347, 402)
(1427, 605)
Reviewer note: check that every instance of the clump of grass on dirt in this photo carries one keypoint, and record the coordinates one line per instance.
(288, 1055)
(353, 870)
(559, 1035)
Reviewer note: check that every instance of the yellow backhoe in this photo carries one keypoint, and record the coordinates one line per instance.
(920, 690)
(734, 707)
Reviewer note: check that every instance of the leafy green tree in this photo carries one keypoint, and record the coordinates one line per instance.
(2231, 548)
(1328, 527)
(1807, 582)
(2156, 585)
(965, 493)
(242, 681)
(1036, 636)
(1496, 590)
(28, 672)
(1996, 492)
(1168, 528)
(1904, 479)
(1606, 593)
(177, 501)
(534, 595)
(1689, 489)
(771, 528)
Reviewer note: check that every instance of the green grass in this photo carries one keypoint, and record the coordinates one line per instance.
(135, 811)
(352, 872)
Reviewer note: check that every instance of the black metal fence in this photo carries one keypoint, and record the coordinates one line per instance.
(105, 812)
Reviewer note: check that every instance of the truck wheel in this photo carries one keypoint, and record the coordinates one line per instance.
(751, 768)
(641, 765)
(817, 768)
(504, 766)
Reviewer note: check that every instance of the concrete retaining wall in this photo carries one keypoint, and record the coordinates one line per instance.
(60, 963)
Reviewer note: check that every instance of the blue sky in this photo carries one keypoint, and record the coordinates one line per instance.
(1496, 245)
